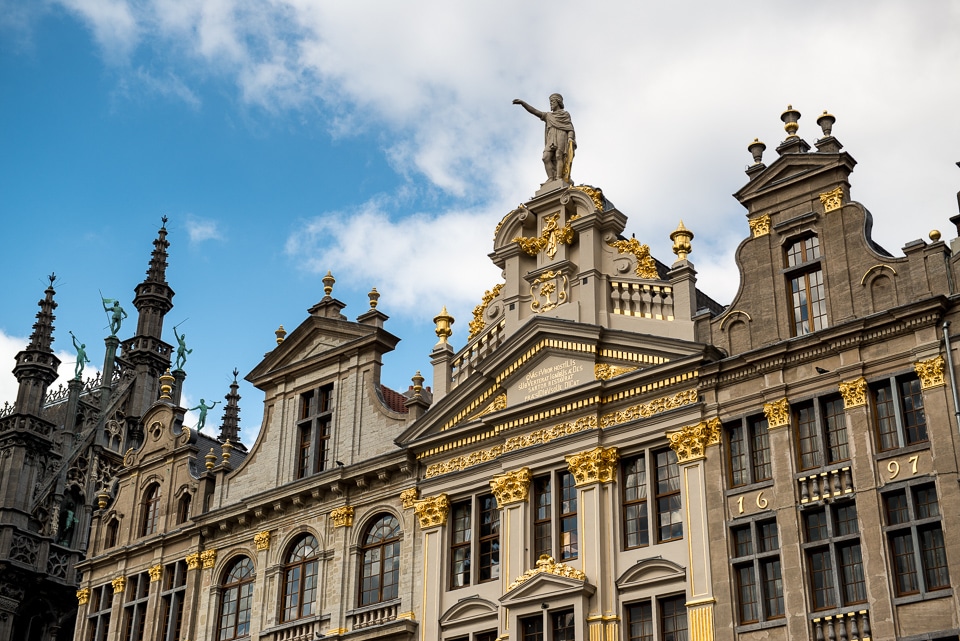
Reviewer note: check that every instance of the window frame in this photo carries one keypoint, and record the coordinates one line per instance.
(314, 430)
(368, 547)
(242, 585)
(817, 431)
(549, 624)
(641, 504)
(830, 545)
(669, 495)
(297, 605)
(98, 612)
(756, 455)
(150, 509)
(659, 609)
(135, 596)
(898, 419)
(466, 516)
(560, 519)
(798, 268)
(761, 555)
(172, 597)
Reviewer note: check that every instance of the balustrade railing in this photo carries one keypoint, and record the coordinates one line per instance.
(642, 299)
(368, 617)
(842, 626)
(825, 485)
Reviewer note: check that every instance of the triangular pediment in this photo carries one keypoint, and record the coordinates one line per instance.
(792, 168)
(546, 581)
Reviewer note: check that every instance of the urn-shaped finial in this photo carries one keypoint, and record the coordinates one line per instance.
(756, 149)
(443, 322)
(825, 121)
(328, 282)
(790, 119)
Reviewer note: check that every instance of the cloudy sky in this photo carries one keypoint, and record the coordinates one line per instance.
(285, 138)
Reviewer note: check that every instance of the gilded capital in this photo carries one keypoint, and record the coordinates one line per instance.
(155, 571)
(119, 583)
(342, 516)
(208, 558)
(690, 442)
(262, 540)
(832, 200)
(598, 465)
(193, 561)
(83, 596)
(760, 226)
(854, 393)
(409, 497)
(512, 487)
(777, 413)
(930, 372)
(432, 511)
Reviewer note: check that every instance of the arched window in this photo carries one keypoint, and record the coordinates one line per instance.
(236, 600)
(183, 508)
(150, 512)
(380, 571)
(300, 578)
(113, 527)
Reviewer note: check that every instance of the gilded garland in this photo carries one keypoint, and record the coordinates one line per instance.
(552, 236)
(646, 265)
(478, 323)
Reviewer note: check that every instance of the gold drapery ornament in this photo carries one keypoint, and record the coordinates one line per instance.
(777, 413)
(930, 372)
(546, 565)
(598, 465)
(208, 558)
(409, 497)
(432, 511)
(760, 226)
(512, 487)
(478, 323)
(690, 443)
(155, 571)
(646, 265)
(83, 596)
(552, 236)
(262, 540)
(605, 371)
(832, 200)
(119, 583)
(342, 516)
(193, 561)
(854, 392)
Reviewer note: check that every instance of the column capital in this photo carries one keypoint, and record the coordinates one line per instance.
(432, 511)
(598, 465)
(690, 442)
(512, 487)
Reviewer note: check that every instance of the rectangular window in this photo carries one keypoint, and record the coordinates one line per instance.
(467, 526)
(314, 427)
(898, 413)
(98, 619)
(555, 510)
(531, 628)
(640, 621)
(821, 433)
(568, 516)
(636, 531)
(673, 618)
(489, 538)
(562, 626)
(915, 536)
(833, 554)
(807, 291)
(756, 566)
(171, 600)
(135, 607)
(749, 451)
(490, 635)
(460, 544)
(542, 517)
(669, 513)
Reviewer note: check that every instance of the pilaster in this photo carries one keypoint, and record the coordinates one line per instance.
(432, 514)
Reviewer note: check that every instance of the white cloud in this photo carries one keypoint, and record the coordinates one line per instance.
(113, 23)
(201, 230)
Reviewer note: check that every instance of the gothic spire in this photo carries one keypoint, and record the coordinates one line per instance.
(154, 297)
(230, 427)
(36, 366)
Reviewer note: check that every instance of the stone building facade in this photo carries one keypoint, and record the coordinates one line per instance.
(611, 455)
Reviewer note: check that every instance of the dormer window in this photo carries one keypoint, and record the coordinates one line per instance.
(805, 283)
(314, 426)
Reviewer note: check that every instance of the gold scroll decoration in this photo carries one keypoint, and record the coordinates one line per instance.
(646, 265)
(208, 558)
(432, 511)
(119, 583)
(598, 465)
(832, 200)
(549, 239)
(930, 372)
(499, 403)
(409, 497)
(478, 323)
(760, 226)
(155, 571)
(595, 193)
(690, 443)
(262, 540)
(545, 286)
(193, 561)
(605, 371)
(854, 392)
(546, 565)
(777, 413)
(342, 516)
(83, 596)
(512, 487)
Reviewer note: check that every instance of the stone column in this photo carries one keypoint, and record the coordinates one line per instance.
(194, 601)
(594, 472)
(512, 491)
(341, 519)
(690, 445)
(432, 513)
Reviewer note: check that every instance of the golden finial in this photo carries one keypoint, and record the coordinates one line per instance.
(417, 383)
(790, 119)
(226, 448)
(681, 238)
(211, 459)
(166, 385)
(103, 498)
(443, 322)
(934, 235)
(328, 282)
(374, 297)
(281, 334)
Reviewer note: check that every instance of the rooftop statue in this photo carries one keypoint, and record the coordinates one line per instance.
(81, 357)
(112, 306)
(559, 138)
(182, 350)
(204, 408)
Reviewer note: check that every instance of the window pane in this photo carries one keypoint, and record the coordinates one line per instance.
(563, 628)
(914, 418)
(772, 588)
(738, 456)
(640, 621)
(904, 563)
(489, 538)
(760, 444)
(836, 430)
(815, 525)
(669, 516)
(568, 516)
(747, 593)
(531, 628)
(635, 529)
(769, 539)
(886, 417)
(851, 574)
(926, 502)
(934, 558)
(821, 579)
(896, 508)
(846, 519)
(742, 541)
(807, 440)
(673, 619)
(542, 540)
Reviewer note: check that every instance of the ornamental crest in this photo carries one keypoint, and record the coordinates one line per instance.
(512, 487)
(546, 565)
(832, 200)
(193, 561)
(760, 226)
(342, 516)
(409, 497)
(262, 540)
(930, 372)
(854, 393)
(548, 291)
(690, 443)
(208, 558)
(432, 511)
(646, 265)
(777, 413)
(499, 403)
(598, 465)
(478, 323)
(549, 239)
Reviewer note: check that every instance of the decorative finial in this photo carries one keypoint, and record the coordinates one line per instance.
(443, 322)
(226, 447)
(103, 497)
(164, 220)
(166, 385)
(281, 333)
(52, 277)
(826, 121)
(236, 371)
(934, 235)
(790, 119)
(756, 149)
(417, 383)
(374, 297)
(211, 459)
(681, 238)
(328, 282)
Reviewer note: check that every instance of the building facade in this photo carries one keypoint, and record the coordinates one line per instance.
(611, 455)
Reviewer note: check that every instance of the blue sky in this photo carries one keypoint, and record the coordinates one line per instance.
(378, 141)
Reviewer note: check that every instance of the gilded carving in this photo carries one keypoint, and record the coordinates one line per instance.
(549, 239)
(499, 403)
(155, 571)
(262, 540)
(646, 265)
(119, 583)
(546, 565)
(690, 443)
(598, 465)
(604, 371)
(83, 596)
(777, 413)
(193, 561)
(930, 372)
(646, 410)
(478, 323)
(595, 193)
(545, 286)
(512, 487)
(342, 516)
(208, 558)
(760, 226)
(432, 511)
(409, 497)
(832, 200)
(854, 393)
